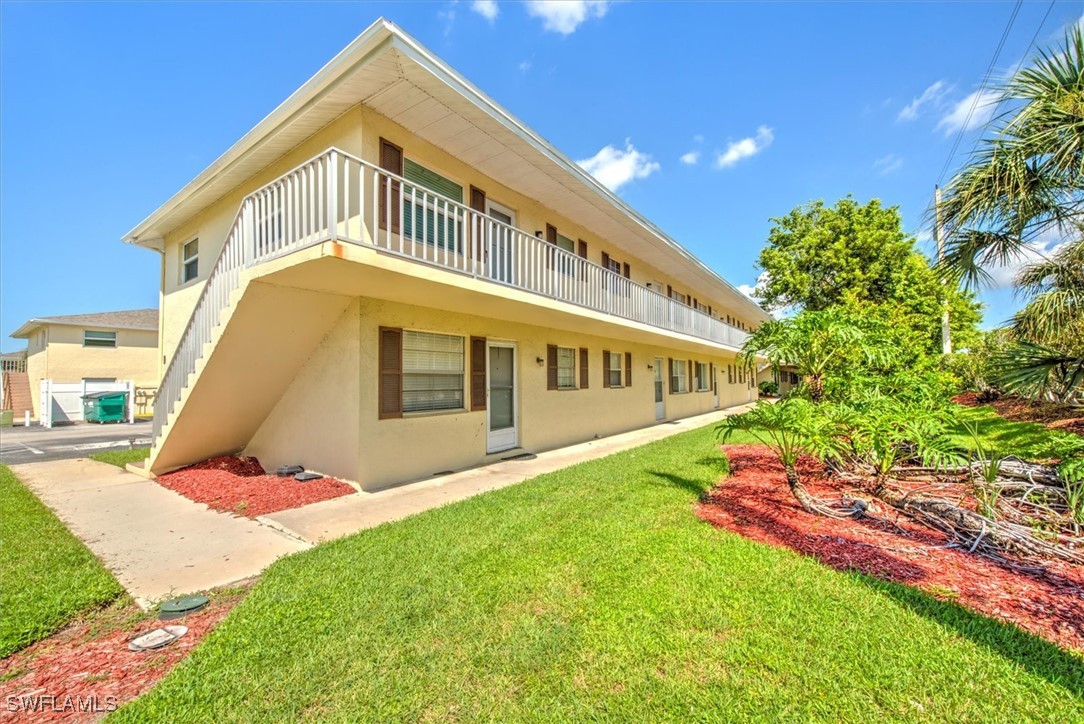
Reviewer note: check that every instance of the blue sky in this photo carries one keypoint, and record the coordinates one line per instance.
(107, 109)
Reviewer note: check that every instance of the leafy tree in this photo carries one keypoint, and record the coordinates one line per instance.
(818, 343)
(858, 256)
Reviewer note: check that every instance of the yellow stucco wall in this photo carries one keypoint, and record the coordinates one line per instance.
(59, 355)
(334, 397)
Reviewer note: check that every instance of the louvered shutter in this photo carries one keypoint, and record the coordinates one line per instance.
(584, 369)
(583, 249)
(391, 373)
(477, 199)
(625, 271)
(628, 369)
(477, 373)
(673, 389)
(391, 159)
(605, 368)
(551, 367)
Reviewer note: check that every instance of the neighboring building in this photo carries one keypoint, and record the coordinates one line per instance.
(92, 347)
(786, 376)
(390, 277)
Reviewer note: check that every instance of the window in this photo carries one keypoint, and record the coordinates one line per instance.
(566, 368)
(432, 372)
(190, 261)
(613, 372)
(678, 296)
(99, 339)
(702, 382)
(679, 376)
(427, 218)
(566, 263)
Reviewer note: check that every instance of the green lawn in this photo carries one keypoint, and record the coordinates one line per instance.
(1028, 440)
(47, 576)
(595, 593)
(120, 458)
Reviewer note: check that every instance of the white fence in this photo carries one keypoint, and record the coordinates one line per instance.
(62, 402)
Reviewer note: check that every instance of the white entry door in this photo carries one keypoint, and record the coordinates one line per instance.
(499, 242)
(660, 403)
(501, 428)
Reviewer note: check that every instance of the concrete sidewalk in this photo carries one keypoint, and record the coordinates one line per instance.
(342, 516)
(156, 542)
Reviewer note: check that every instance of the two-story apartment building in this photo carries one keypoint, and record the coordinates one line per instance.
(101, 346)
(390, 276)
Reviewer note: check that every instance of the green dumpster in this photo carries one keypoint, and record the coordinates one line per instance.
(105, 406)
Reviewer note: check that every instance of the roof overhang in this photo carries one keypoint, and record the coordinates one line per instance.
(31, 325)
(387, 70)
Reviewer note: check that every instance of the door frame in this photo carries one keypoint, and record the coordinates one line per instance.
(660, 404)
(497, 343)
(715, 385)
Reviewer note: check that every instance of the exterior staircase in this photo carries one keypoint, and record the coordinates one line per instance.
(16, 386)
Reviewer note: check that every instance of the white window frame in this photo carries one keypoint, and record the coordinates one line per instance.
(615, 369)
(103, 338)
(572, 356)
(187, 260)
(681, 374)
(457, 370)
(702, 378)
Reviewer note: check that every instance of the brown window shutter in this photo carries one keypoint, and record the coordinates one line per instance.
(605, 368)
(477, 199)
(625, 271)
(391, 373)
(551, 234)
(583, 248)
(709, 310)
(690, 373)
(628, 369)
(585, 376)
(391, 159)
(669, 291)
(477, 373)
(551, 367)
(605, 261)
(695, 303)
(672, 388)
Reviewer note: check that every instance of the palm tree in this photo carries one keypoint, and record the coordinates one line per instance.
(817, 343)
(1023, 185)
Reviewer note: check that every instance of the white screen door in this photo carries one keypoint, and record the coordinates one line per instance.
(501, 408)
(660, 404)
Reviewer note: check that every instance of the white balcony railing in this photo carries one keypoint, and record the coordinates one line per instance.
(339, 196)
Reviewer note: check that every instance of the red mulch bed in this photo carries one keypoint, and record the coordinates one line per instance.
(235, 484)
(90, 662)
(756, 503)
(1050, 414)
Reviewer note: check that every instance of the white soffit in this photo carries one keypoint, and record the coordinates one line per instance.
(391, 73)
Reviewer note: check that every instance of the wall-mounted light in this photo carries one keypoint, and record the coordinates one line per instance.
(540, 361)
(651, 367)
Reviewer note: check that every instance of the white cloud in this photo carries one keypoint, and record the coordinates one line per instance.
(746, 147)
(749, 290)
(486, 8)
(933, 95)
(984, 104)
(564, 16)
(525, 66)
(888, 164)
(690, 158)
(615, 167)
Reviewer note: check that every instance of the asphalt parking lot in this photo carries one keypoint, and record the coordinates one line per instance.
(36, 444)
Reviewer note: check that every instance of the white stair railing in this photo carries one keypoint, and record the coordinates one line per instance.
(339, 196)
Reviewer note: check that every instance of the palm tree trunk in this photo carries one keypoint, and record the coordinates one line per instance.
(798, 490)
(816, 388)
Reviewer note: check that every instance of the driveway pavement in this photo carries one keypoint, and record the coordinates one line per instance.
(156, 542)
(38, 444)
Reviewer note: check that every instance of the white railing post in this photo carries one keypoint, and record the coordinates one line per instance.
(332, 187)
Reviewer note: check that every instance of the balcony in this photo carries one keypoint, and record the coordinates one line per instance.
(339, 197)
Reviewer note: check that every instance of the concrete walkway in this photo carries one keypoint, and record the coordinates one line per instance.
(156, 542)
(342, 516)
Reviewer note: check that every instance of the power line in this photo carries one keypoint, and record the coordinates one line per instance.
(982, 88)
